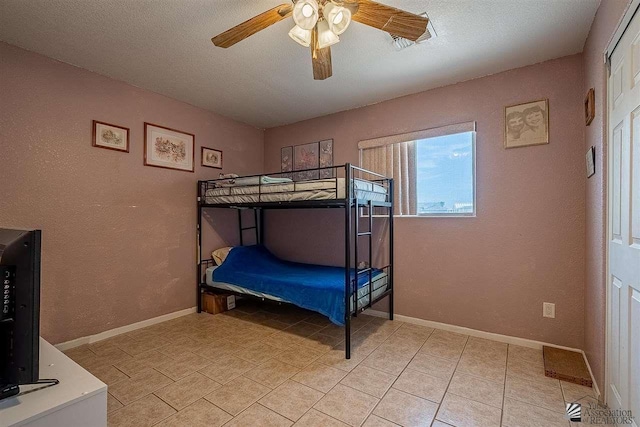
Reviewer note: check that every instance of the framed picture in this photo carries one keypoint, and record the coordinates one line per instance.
(526, 124)
(168, 148)
(591, 162)
(590, 106)
(306, 157)
(326, 158)
(111, 137)
(286, 161)
(211, 158)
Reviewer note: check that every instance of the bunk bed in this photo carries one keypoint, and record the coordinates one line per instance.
(339, 293)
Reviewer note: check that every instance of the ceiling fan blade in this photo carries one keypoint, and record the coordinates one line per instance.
(386, 18)
(252, 26)
(320, 58)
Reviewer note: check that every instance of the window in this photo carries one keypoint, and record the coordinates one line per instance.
(433, 170)
(445, 175)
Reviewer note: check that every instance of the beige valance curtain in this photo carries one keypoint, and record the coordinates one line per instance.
(397, 161)
(418, 135)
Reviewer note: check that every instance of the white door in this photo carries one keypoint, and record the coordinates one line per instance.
(623, 340)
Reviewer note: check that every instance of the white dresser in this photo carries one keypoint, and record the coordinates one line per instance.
(80, 400)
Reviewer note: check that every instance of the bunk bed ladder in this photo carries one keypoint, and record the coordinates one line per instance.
(258, 226)
(369, 268)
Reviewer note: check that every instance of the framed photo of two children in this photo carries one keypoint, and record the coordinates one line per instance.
(526, 124)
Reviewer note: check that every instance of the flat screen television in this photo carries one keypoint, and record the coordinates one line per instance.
(20, 313)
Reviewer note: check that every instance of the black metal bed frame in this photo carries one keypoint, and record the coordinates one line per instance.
(352, 234)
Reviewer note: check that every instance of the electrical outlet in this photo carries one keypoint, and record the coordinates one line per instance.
(549, 310)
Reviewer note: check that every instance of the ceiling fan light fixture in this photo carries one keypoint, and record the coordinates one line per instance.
(326, 37)
(305, 14)
(307, 11)
(337, 17)
(301, 36)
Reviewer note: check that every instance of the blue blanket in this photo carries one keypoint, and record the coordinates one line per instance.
(314, 287)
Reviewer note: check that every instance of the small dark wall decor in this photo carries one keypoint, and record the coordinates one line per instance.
(590, 106)
(211, 158)
(591, 162)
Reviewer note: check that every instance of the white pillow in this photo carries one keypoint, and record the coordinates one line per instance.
(219, 255)
(228, 176)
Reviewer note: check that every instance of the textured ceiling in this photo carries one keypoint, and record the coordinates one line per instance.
(266, 80)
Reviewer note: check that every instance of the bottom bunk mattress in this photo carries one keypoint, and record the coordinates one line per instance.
(253, 270)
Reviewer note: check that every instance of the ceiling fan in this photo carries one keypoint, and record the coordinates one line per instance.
(320, 22)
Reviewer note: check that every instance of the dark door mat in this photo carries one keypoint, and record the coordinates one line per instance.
(566, 365)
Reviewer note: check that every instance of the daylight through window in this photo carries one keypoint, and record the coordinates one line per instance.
(445, 175)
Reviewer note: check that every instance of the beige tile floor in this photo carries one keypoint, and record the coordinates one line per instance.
(268, 365)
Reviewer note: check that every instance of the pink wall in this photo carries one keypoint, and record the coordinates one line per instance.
(118, 237)
(604, 25)
(525, 246)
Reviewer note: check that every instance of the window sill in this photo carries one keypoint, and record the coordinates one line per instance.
(429, 216)
(471, 215)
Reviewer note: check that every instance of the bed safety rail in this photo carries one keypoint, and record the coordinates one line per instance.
(328, 186)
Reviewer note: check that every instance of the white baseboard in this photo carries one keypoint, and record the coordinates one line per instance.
(524, 342)
(123, 329)
(595, 384)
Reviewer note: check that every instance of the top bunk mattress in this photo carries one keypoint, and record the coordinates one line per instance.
(318, 189)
